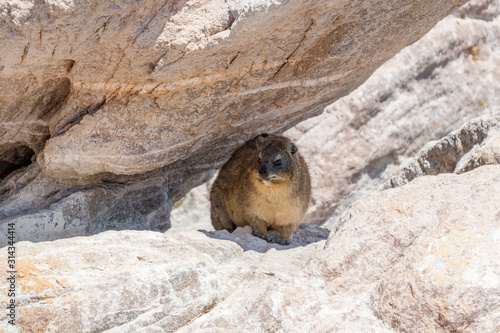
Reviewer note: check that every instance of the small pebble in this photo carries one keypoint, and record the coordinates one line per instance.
(248, 229)
(239, 232)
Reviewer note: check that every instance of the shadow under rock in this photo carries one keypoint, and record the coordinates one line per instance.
(305, 234)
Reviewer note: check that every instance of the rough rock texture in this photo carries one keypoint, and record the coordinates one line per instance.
(421, 257)
(429, 249)
(481, 9)
(131, 87)
(476, 143)
(47, 208)
(92, 88)
(426, 91)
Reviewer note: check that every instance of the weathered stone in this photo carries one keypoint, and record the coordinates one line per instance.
(481, 9)
(449, 280)
(195, 75)
(487, 153)
(129, 280)
(426, 91)
(426, 253)
(476, 143)
(421, 257)
(46, 208)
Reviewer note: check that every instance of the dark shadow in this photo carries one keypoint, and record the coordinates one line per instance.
(305, 234)
(14, 156)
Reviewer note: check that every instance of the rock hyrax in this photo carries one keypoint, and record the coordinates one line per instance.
(265, 184)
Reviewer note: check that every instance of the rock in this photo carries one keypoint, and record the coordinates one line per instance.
(481, 9)
(426, 253)
(129, 280)
(192, 211)
(130, 88)
(426, 91)
(46, 208)
(422, 257)
(455, 259)
(476, 143)
(305, 234)
(487, 153)
(103, 92)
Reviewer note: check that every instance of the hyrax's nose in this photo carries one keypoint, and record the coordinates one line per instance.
(263, 171)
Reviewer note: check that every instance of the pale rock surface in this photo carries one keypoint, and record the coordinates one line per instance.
(131, 280)
(474, 144)
(426, 91)
(430, 251)
(481, 9)
(421, 257)
(192, 211)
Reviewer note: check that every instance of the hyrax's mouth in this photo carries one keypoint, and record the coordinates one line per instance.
(269, 178)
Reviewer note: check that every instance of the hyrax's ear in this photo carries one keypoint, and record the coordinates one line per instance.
(293, 148)
(260, 140)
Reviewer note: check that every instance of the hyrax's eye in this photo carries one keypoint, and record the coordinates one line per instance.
(259, 160)
(277, 162)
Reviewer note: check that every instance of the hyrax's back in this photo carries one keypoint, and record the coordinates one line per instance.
(265, 184)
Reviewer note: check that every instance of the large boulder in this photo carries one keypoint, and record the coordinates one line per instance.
(131, 87)
(98, 96)
(421, 257)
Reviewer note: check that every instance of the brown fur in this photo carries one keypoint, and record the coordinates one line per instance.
(276, 198)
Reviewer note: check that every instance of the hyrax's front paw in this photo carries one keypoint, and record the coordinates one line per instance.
(284, 241)
(264, 237)
(259, 229)
(286, 234)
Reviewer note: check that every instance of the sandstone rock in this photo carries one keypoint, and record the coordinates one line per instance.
(132, 87)
(476, 143)
(481, 9)
(421, 257)
(426, 252)
(131, 280)
(487, 153)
